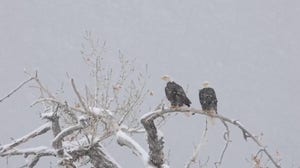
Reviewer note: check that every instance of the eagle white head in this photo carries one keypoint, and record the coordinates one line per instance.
(205, 84)
(166, 78)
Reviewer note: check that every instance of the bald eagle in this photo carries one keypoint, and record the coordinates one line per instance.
(208, 99)
(175, 93)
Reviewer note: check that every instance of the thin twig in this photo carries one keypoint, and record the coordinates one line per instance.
(227, 140)
(263, 148)
(52, 100)
(79, 96)
(198, 147)
(41, 86)
(17, 88)
(80, 99)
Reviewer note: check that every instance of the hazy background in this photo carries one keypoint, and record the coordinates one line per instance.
(248, 50)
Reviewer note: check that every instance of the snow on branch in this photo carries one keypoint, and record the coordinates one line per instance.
(155, 142)
(101, 160)
(30, 151)
(124, 140)
(98, 156)
(156, 145)
(39, 131)
(37, 153)
(59, 137)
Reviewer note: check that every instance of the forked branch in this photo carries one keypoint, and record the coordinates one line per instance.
(148, 123)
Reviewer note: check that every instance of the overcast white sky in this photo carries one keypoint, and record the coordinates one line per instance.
(248, 50)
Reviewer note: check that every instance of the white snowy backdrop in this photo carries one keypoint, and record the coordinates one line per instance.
(248, 50)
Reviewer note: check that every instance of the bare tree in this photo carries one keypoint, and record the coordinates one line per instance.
(109, 109)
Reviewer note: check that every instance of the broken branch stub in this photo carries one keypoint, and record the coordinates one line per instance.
(156, 144)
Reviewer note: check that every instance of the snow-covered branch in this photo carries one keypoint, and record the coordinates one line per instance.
(97, 154)
(36, 152)
(30, 151)
(41, 130)
(99, 159)
(156, 143)
(156, 147)
(124, 140)
(59, 137)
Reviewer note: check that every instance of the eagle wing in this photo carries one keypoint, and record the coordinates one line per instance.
(181, 96)
(168, 91)
(176, 95)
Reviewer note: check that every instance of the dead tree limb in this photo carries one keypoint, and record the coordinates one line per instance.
(39, 131)
(98, 156)
(30, 151)
(86, 109)
(79, 96)
(226, 137)
(124, 140)
(156, 143)
(59, 137)
(17, 88)
(148, 123)
(100, 160)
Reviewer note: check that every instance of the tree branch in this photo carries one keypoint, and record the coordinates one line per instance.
(17, 88)
(35, 160)
(52, 100)
(151, 130)
(227, 139)
(59, 137)
(39, 131)
(80, 99)
(99, 158)
(30, 151)
(124, 139)
(198, 147)
(262, 147)
(42, 88)
(78, 96)
(156, 143)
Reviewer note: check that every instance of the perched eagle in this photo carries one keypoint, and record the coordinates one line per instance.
(175, 93)
(208, 99)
